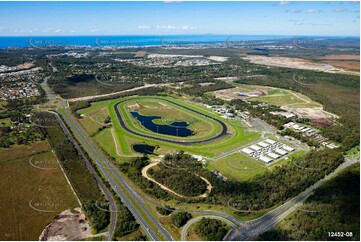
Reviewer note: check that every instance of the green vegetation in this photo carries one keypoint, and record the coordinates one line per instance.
(179, 219)
(165, 211)
(280, 184)
(211, 229)
(126, 223)
(21, 184)
(237, 167)
(183, 182)
(81, 179)
(98, 214)
(133, 170)
(335, 207)
(202, 127)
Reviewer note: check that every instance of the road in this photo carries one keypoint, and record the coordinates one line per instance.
(119, 184)
(108, 195)
(124, 126)
(106, 170)
(194, 220)
(251, 229)
(87, 98)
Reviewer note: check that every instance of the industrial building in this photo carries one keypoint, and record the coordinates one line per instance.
(267, 150)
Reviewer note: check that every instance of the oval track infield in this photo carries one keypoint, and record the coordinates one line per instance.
(124, 126)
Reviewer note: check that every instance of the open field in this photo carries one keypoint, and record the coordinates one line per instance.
(238, 167)
(202, 127)
(270, 95)
(297, 63)
(237, 134)
(347, 62)
(33, 190)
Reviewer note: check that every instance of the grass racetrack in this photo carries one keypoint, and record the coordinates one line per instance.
(109, 138)
(209, 128)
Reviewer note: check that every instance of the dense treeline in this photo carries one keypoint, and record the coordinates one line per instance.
(179, 219)
(164, 210)
(334, 207)
(98, 214)
(126, 223)
(280, 184)
(81, 179)
(133, 170)
(211, 229)
(178, 171)
(337, 93)
(183, 182)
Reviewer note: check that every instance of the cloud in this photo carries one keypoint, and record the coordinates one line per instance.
(57, 30)
(311, 11)
(175, 1)
(297, 11)
(338, 10)
(296, 22)
(284, 3)
(186, 27)
(144, 27)
(168, 27)
(94, 30)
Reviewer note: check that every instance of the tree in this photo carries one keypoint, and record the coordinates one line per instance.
(181, 218)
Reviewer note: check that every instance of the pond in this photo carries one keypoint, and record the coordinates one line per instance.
(144, 149)
(178, 129)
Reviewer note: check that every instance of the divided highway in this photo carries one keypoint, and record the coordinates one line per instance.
(119, 184)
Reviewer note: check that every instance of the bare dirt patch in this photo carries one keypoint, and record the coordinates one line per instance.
(67, 226)
(296, 63)
(236, 93)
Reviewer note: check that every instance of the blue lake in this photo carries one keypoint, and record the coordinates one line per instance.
(144, 149)
(178, 129)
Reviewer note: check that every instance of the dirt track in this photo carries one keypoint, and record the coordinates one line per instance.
(145, 174)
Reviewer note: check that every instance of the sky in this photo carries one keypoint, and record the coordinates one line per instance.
(176, 18)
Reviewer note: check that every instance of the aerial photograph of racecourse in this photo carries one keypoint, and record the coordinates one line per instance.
(180, 121)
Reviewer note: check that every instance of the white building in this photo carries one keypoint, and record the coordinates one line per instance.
(270, 141)
(280, 151)
(288, 148)
(255, 147)
(273, 155)
(247, 151)
(265, 159)
(263, 144)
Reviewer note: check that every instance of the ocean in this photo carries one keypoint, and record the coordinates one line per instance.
(130, 40)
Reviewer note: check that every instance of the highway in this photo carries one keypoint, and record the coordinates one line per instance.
(108, 195)
(251, 229)
(128, 195)
(112, 204)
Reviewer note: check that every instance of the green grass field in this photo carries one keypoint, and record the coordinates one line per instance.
(237, 167)
(280, 97)
(202, 127)
(124, 140)
(22, 185)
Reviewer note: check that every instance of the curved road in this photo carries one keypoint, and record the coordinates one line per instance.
(124, 126)
(194, 220)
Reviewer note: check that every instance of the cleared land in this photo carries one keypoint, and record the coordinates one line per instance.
(289, 100)
(348, 62)
(296, 63)
(33, 190)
